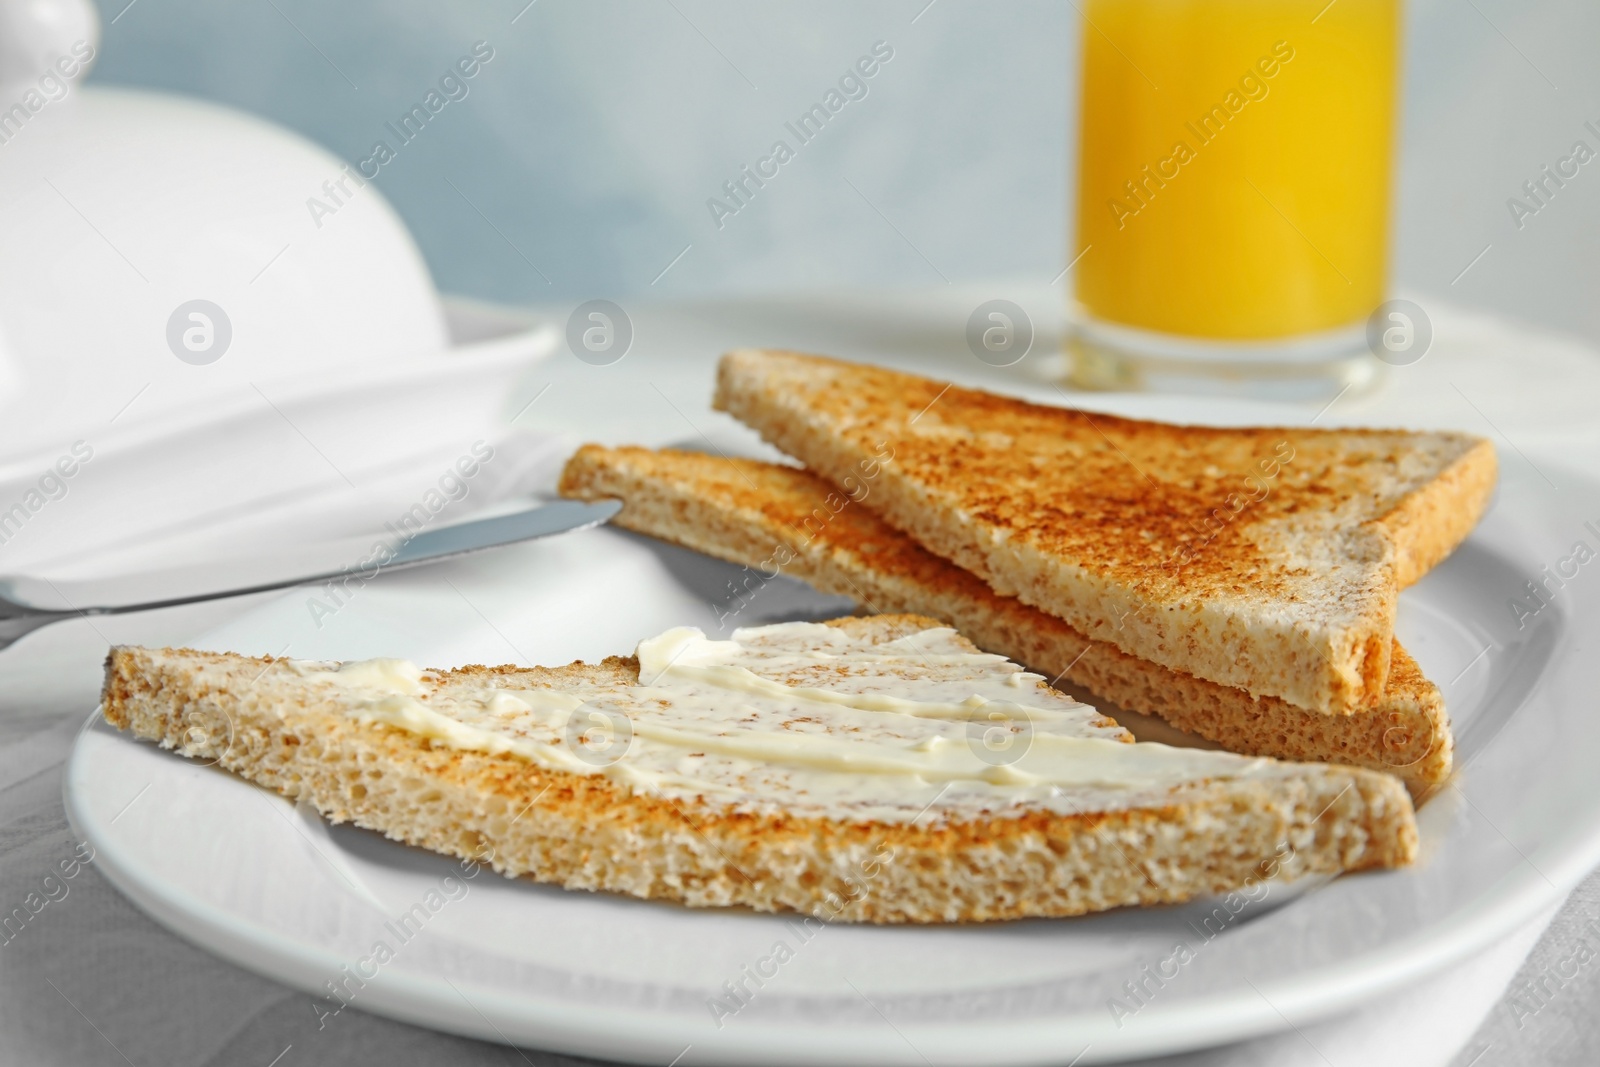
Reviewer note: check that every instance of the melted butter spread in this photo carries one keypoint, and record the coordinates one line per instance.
(803, 719)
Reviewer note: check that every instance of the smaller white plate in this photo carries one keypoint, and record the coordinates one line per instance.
(307, 458)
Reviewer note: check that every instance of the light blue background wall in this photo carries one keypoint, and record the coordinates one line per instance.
(593, 138)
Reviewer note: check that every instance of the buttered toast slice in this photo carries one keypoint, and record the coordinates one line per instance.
(877, 769)
(781, 520)
(1264, 559)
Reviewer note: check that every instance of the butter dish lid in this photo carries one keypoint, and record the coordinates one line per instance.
(161, 250)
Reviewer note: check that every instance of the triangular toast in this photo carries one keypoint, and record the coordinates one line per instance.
(1263, 559)
(906, 821)
(776, 520)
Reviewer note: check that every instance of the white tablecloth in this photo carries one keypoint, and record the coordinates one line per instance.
(89, 980)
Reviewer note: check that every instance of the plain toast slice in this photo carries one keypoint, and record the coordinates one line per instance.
(1264, 559)
(302, 730)
(775, 520)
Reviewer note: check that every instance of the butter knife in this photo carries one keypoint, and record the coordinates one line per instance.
(28, 603)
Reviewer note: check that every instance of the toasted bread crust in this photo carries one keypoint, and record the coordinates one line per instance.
(778, 519)
(1431, 522)
(1255, 558)
(587, 832)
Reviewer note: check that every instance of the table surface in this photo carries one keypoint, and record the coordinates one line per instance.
(89, 980)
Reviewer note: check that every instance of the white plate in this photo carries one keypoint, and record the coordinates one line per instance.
(246, 875)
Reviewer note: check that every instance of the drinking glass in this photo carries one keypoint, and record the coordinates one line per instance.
(1233, 193)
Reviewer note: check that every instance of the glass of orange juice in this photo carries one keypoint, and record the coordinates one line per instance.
(1233, 192)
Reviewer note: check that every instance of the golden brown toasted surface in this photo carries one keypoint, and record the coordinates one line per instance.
(587, 831)
(783, 520)
(1257, 558)
(790, 501)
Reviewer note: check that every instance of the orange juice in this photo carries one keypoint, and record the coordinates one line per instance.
(1234, 164)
